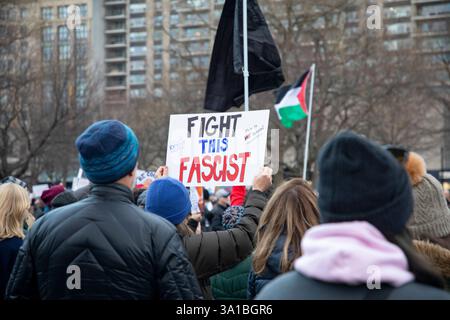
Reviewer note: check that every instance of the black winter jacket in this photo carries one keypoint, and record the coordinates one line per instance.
(216, 251)
(295, 286)
(121, 251)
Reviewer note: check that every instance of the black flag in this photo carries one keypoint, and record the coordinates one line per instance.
(225, 88)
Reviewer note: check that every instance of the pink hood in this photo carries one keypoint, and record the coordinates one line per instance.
(345, 253)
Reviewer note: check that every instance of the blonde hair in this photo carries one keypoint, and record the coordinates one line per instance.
(291, 210)
(14, 211)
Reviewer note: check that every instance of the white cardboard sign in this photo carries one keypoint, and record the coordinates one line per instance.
(217, 149)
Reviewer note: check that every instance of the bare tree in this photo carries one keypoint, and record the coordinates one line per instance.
(42, 103)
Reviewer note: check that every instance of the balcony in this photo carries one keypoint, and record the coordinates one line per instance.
(108, 3)
(115, 14)
(115, 41)
(114, 56)
(115, 28)
(116, 74)
(116, 83)
(445, 15)
(116, 70)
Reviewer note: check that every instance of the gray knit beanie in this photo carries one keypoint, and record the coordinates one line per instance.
(431, 217)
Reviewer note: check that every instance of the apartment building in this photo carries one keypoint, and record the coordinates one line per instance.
(150, 44)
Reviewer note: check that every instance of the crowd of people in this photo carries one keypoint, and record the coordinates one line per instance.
(376, 226)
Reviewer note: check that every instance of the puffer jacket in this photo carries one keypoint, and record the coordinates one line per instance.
(120, 251)
(232, 284)
(216, 251)
(257, 281)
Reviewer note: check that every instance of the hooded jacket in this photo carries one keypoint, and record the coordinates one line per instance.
(341, 261)
(120, 252)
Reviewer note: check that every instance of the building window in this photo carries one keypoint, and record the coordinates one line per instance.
(81, 32)
(158, 21)
(157, 35)
(157, 64)
(441, 43)
(83, 10)
(398, 44)
(81, 51)
(63, 33)
(351, 16)
(138, 51)
(137, 79)
(64, 51)
(138, 36)
(202, 62)
(157, 49)
(435, 26)
(436, 9)
(174, 19)
(47, 13)
(196, 17)
(47, 52)
(158, 76)
(198, 46)
(399, 28)
(138, 7)
(196, 32)
(158, 92)
(47, 34)
(137, 65)
(398, 12)
(138, 93)
(23, 13)
(197, 3)
(62, 12)
(137, 22)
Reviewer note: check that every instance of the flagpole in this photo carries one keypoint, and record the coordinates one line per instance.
(308, 128)
(245, 71)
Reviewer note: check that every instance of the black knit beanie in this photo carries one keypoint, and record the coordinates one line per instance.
(359, 180)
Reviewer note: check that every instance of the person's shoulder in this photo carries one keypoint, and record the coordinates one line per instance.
(283, 287)
(418, 291)
(155, 222)
(12, 243)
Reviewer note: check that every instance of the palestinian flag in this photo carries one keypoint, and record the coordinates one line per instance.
(290, 102)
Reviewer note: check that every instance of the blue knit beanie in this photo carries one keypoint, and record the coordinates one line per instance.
(359, 180)
(108, 151)
(168, 198)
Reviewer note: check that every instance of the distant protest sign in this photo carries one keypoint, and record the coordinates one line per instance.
(79, 181)
(38, 189)
(217, 149)
(144, 178)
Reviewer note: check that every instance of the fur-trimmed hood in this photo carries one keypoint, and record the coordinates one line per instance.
(437, 255)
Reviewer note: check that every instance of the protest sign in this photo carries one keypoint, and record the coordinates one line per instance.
(194, 197)
(38, 189)
(144, 178)
(217, 149)
(79, 181)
